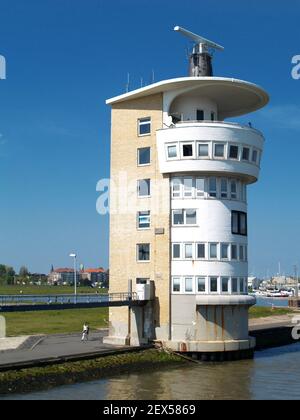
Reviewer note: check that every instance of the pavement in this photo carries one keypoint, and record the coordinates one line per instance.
(42, 350)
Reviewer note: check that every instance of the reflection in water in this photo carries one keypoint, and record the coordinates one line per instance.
(274, 374)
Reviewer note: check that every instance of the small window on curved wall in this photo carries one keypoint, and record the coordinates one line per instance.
(200, 115)
(239, 223)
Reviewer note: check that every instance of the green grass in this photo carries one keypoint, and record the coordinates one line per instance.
(262, 312)
(43, 378)
(46, 290)
(54, 322)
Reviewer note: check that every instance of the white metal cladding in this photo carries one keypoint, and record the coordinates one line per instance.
(209, 132)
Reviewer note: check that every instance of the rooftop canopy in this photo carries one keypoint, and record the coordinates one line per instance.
(233, 97)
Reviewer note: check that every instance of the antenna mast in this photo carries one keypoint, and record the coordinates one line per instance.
(201, 57)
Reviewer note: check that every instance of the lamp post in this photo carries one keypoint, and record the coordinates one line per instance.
(74, 256)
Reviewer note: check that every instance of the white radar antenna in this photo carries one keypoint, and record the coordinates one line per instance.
(201, 58)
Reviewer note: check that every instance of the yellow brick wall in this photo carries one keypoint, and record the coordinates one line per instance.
(124, 235)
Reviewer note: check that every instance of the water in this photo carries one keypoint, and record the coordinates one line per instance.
(273, 375)
(280, 302)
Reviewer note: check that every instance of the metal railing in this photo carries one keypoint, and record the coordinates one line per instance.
(32, 300)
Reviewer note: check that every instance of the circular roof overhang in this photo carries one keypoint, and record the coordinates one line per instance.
(233, 97)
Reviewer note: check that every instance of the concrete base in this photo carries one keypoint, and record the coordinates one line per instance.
(12, 343)
(211, 346)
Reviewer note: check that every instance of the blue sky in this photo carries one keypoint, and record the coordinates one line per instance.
(65, 57)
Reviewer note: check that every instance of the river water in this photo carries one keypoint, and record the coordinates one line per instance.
(273, 374)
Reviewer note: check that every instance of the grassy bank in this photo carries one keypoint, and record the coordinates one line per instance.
(54, 322)
(46, 290)
(262, 312)
(37, 379)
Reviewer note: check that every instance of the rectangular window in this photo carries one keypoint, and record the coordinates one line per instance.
(233, 189)
(176, 187)
(144, 156)
(176, 251)
(219, 151)
(213, 251)
(233, 152)
(142, 281)
(239, 223)
(225, 251)
(188, 189)
(203, 151)
(246, 154)
(176, 285)
(144, 220)
(254, 156)
(189, 285)
(200, 115)
(188, 251)
(213, 187)
(224, 188)
(213, 116)
(178, 217)
(242, 254)
(191, 217)
(187, 150)
(234, 252)
(201, 252)
(234, 285)
(242, 285)
(143, 252)
(200, 187)
(213, 283)
(144, 188)
(172, 152)
(225, 285)
(201, 284)
(144, 126)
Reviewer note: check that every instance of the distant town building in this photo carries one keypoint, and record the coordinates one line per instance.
(65, 276)
(254, 283)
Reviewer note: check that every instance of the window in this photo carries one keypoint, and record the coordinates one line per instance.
(225, 251)
(213, 187)
(176, 251)
(188, 285)
(187, 150)
(201, 252)
(176, 188)
(143, 219)
(191, 217)
(200, 115)
(200, 187)
(178, 217)
(203, 151)
(213, 116)
(144, 156)
(254, 156)
(172, 152)
(225, 285)
(188, 187)
(239, 223)
(242, 254)
(233, 152)
(213, 251)
(242, 285)
(234, 285)
(143, 252)
(246, 154)
(142, 281)
(233, 189)
(213, 285)
(176, 285)
(201, 284)
(219, 151)
(224, 188)
(234, 252)
(144, 126)
(188, 251)
(144, 188)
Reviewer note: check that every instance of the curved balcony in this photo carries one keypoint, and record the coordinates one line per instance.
(211, 148)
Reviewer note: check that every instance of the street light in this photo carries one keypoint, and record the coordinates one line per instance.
(74, 256)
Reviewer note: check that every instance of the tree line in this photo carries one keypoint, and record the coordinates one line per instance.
(8, 275)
